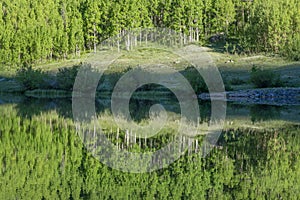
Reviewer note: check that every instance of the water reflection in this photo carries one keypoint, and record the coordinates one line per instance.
(264, 112)
(44, 159)
(139, 108)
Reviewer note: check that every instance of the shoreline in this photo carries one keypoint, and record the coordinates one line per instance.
(266, 96)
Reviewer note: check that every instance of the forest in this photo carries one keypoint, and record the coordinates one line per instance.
(38, 31)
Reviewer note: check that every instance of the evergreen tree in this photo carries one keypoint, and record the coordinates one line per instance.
(224, 12)
(3, 46)
(91, 17)
(208, 17)
(34, 31)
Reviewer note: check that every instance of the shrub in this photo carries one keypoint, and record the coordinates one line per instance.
(227, 86)
(32, 78)
(292, 48)
(265, 78)
(195, 79)
(237, 81)
(66, 77)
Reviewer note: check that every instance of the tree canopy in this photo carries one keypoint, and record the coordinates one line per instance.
(32, 32)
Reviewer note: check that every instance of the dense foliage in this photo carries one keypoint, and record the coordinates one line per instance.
(66, 77)
(32, 78)
(265, 78)
(35, 31)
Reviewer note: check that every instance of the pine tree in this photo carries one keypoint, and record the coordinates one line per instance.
(3, 44)
(208, 17)
(34, 31)
(193, 10)
(224, 12)
(74, 27)
(152, 7)
(91, 17)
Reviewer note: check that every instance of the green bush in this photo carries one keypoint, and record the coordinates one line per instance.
(197, 82)
(265, 78)
(195, 79)
(292, 48)
(109, 79)
(237, 81)
(66, 77)
(32, 78)
(227, 85)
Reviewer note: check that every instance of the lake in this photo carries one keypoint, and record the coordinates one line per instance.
(43, 157)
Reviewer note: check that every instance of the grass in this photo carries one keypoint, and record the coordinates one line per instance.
(142, 57)
(7, 72)
(240, 68)
(270, 125)
(289, 71)
(49, 66)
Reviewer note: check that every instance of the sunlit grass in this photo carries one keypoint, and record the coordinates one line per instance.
(153, 55)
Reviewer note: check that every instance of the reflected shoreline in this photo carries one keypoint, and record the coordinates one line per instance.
(139, 108)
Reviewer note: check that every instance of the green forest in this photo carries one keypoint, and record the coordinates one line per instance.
(38, 31)
(231, 91)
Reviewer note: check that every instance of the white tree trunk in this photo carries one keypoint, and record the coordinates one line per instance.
(95, 41)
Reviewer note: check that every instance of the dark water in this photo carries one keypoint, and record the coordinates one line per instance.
(139, 108)
(43, 158)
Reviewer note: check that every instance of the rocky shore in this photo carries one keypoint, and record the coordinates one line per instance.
(269, 96)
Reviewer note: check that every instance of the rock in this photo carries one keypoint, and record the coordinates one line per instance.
(229, 61)
(271, 96)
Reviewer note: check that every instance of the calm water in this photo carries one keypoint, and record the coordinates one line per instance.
(140, 108)
(43, 158)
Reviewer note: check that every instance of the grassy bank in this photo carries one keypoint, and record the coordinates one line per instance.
(235, 69)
